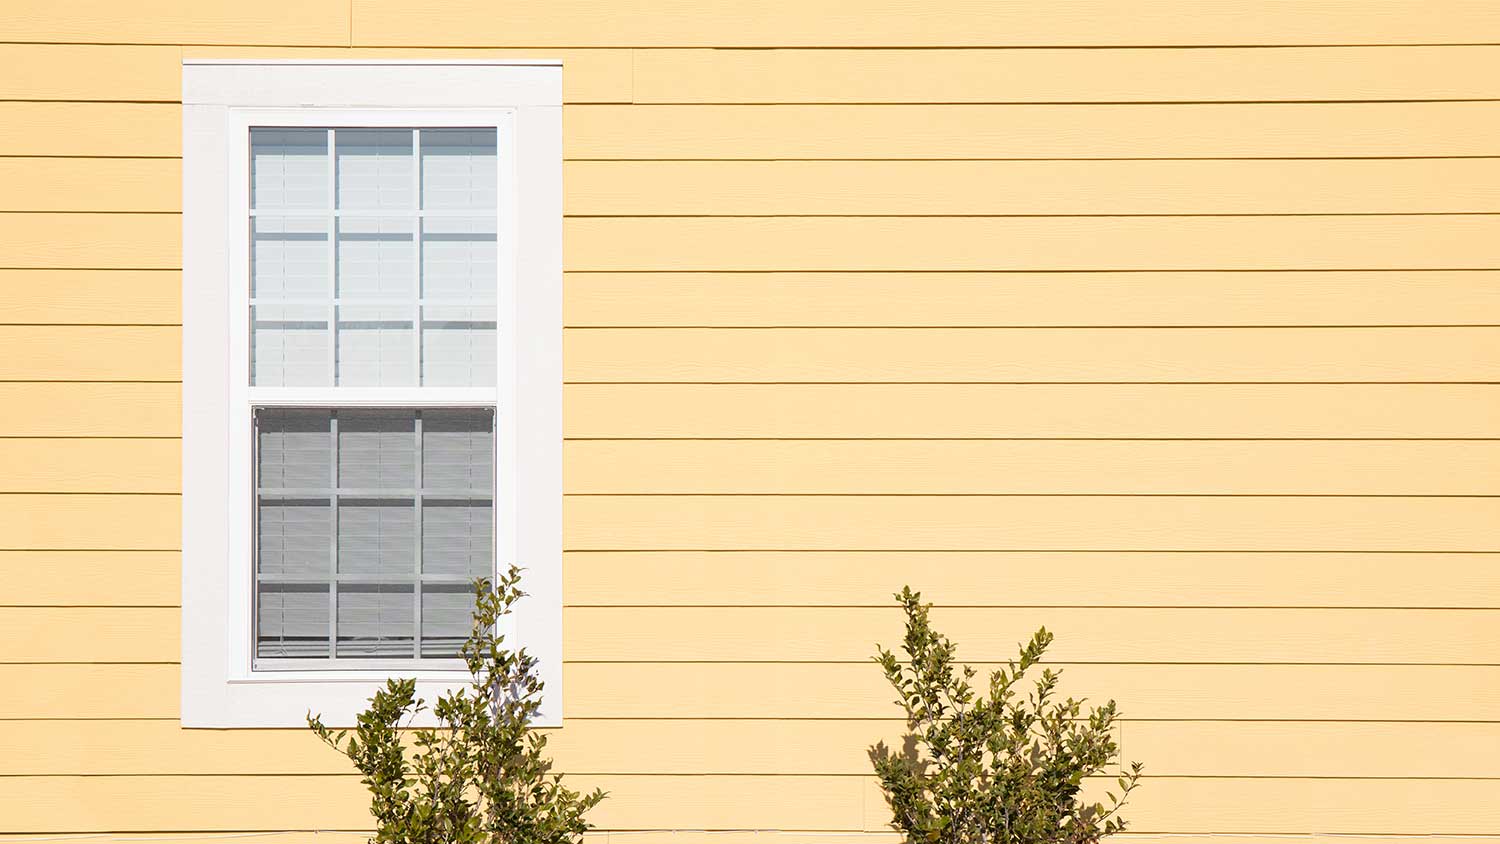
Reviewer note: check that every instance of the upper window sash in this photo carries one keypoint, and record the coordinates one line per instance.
(240, 123)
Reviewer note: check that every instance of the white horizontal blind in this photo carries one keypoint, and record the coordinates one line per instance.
(371, 525)
(373, 257)
(373, 265)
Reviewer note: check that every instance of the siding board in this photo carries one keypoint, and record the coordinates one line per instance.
(966, 23)
(826, 635)
(1265, 130)
(91, 73)
(1021, 299)
(1095, 635)
(90, 578)
(95, 297)
(1253, 130)
(101, 634)
(1029, 578)
(90, 353)
(88, 465)
(969, 523)
(42, 409)
(179, 22)
(1033, 243)
(690, 746)
(91, 241)
(793, 355)
(717, 691)
(36, 804)
(854, 467)
(134, 297)
(142, 185)
(91, 129)
(153, 353)
(680, 76)
(885, 188)
(1150, 692)
(760, 578)
(1398, 242)
(1031, 410)
(1064, 75)
(92, 522)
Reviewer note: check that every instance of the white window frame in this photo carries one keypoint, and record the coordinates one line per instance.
(222, 99)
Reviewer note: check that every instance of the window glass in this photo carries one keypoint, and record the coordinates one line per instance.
(379, 272)
(371, 524)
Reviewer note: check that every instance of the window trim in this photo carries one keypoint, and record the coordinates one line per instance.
(222, 99)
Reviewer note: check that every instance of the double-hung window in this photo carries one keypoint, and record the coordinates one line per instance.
(371, 347)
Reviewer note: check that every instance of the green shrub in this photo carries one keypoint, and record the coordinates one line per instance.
(482, 777)
(1003, 767)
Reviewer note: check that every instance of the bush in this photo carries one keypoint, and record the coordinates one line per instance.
(999, 768)
(482, 777)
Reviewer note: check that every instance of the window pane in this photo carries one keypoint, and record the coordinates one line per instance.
(289, 346)
(289, 258)
(294, 450)
(377, 258)
(289, 168)
(458, 265)
(294, 537)
(376, 347)
(458, 259)
(447, 613)
(370, 536)
(291, 620)
(377, 536)
(375, 168)
(376, 620)
(377, 449)
(458, 347)
(458, 537)
(458, 168)
(458, 449)
(377, 291)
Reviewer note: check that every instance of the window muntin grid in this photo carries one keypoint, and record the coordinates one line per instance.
(371, 524)
(372, 266)
(373, 257)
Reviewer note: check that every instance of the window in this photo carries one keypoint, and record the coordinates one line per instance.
(372, 376)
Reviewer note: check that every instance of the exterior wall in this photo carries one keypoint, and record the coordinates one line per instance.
(1188, 352)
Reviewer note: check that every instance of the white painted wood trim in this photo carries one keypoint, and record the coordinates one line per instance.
(219, 689)
(367, 84)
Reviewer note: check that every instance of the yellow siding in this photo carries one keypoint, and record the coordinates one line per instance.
(147, 803)
(1033, 578)
(91, 578)
(1182, 346)
(1225, 74)
(1255, 130)
(689, 746)
(940, 355)
(845, 634)
(822, 188)
(1422, 297)
(1026, 411)
(844, 691)
(828, 23)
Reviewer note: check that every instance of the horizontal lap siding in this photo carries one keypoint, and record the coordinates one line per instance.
(1186, 352)
(1171, 692)
(706, 802)
(768, 747)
